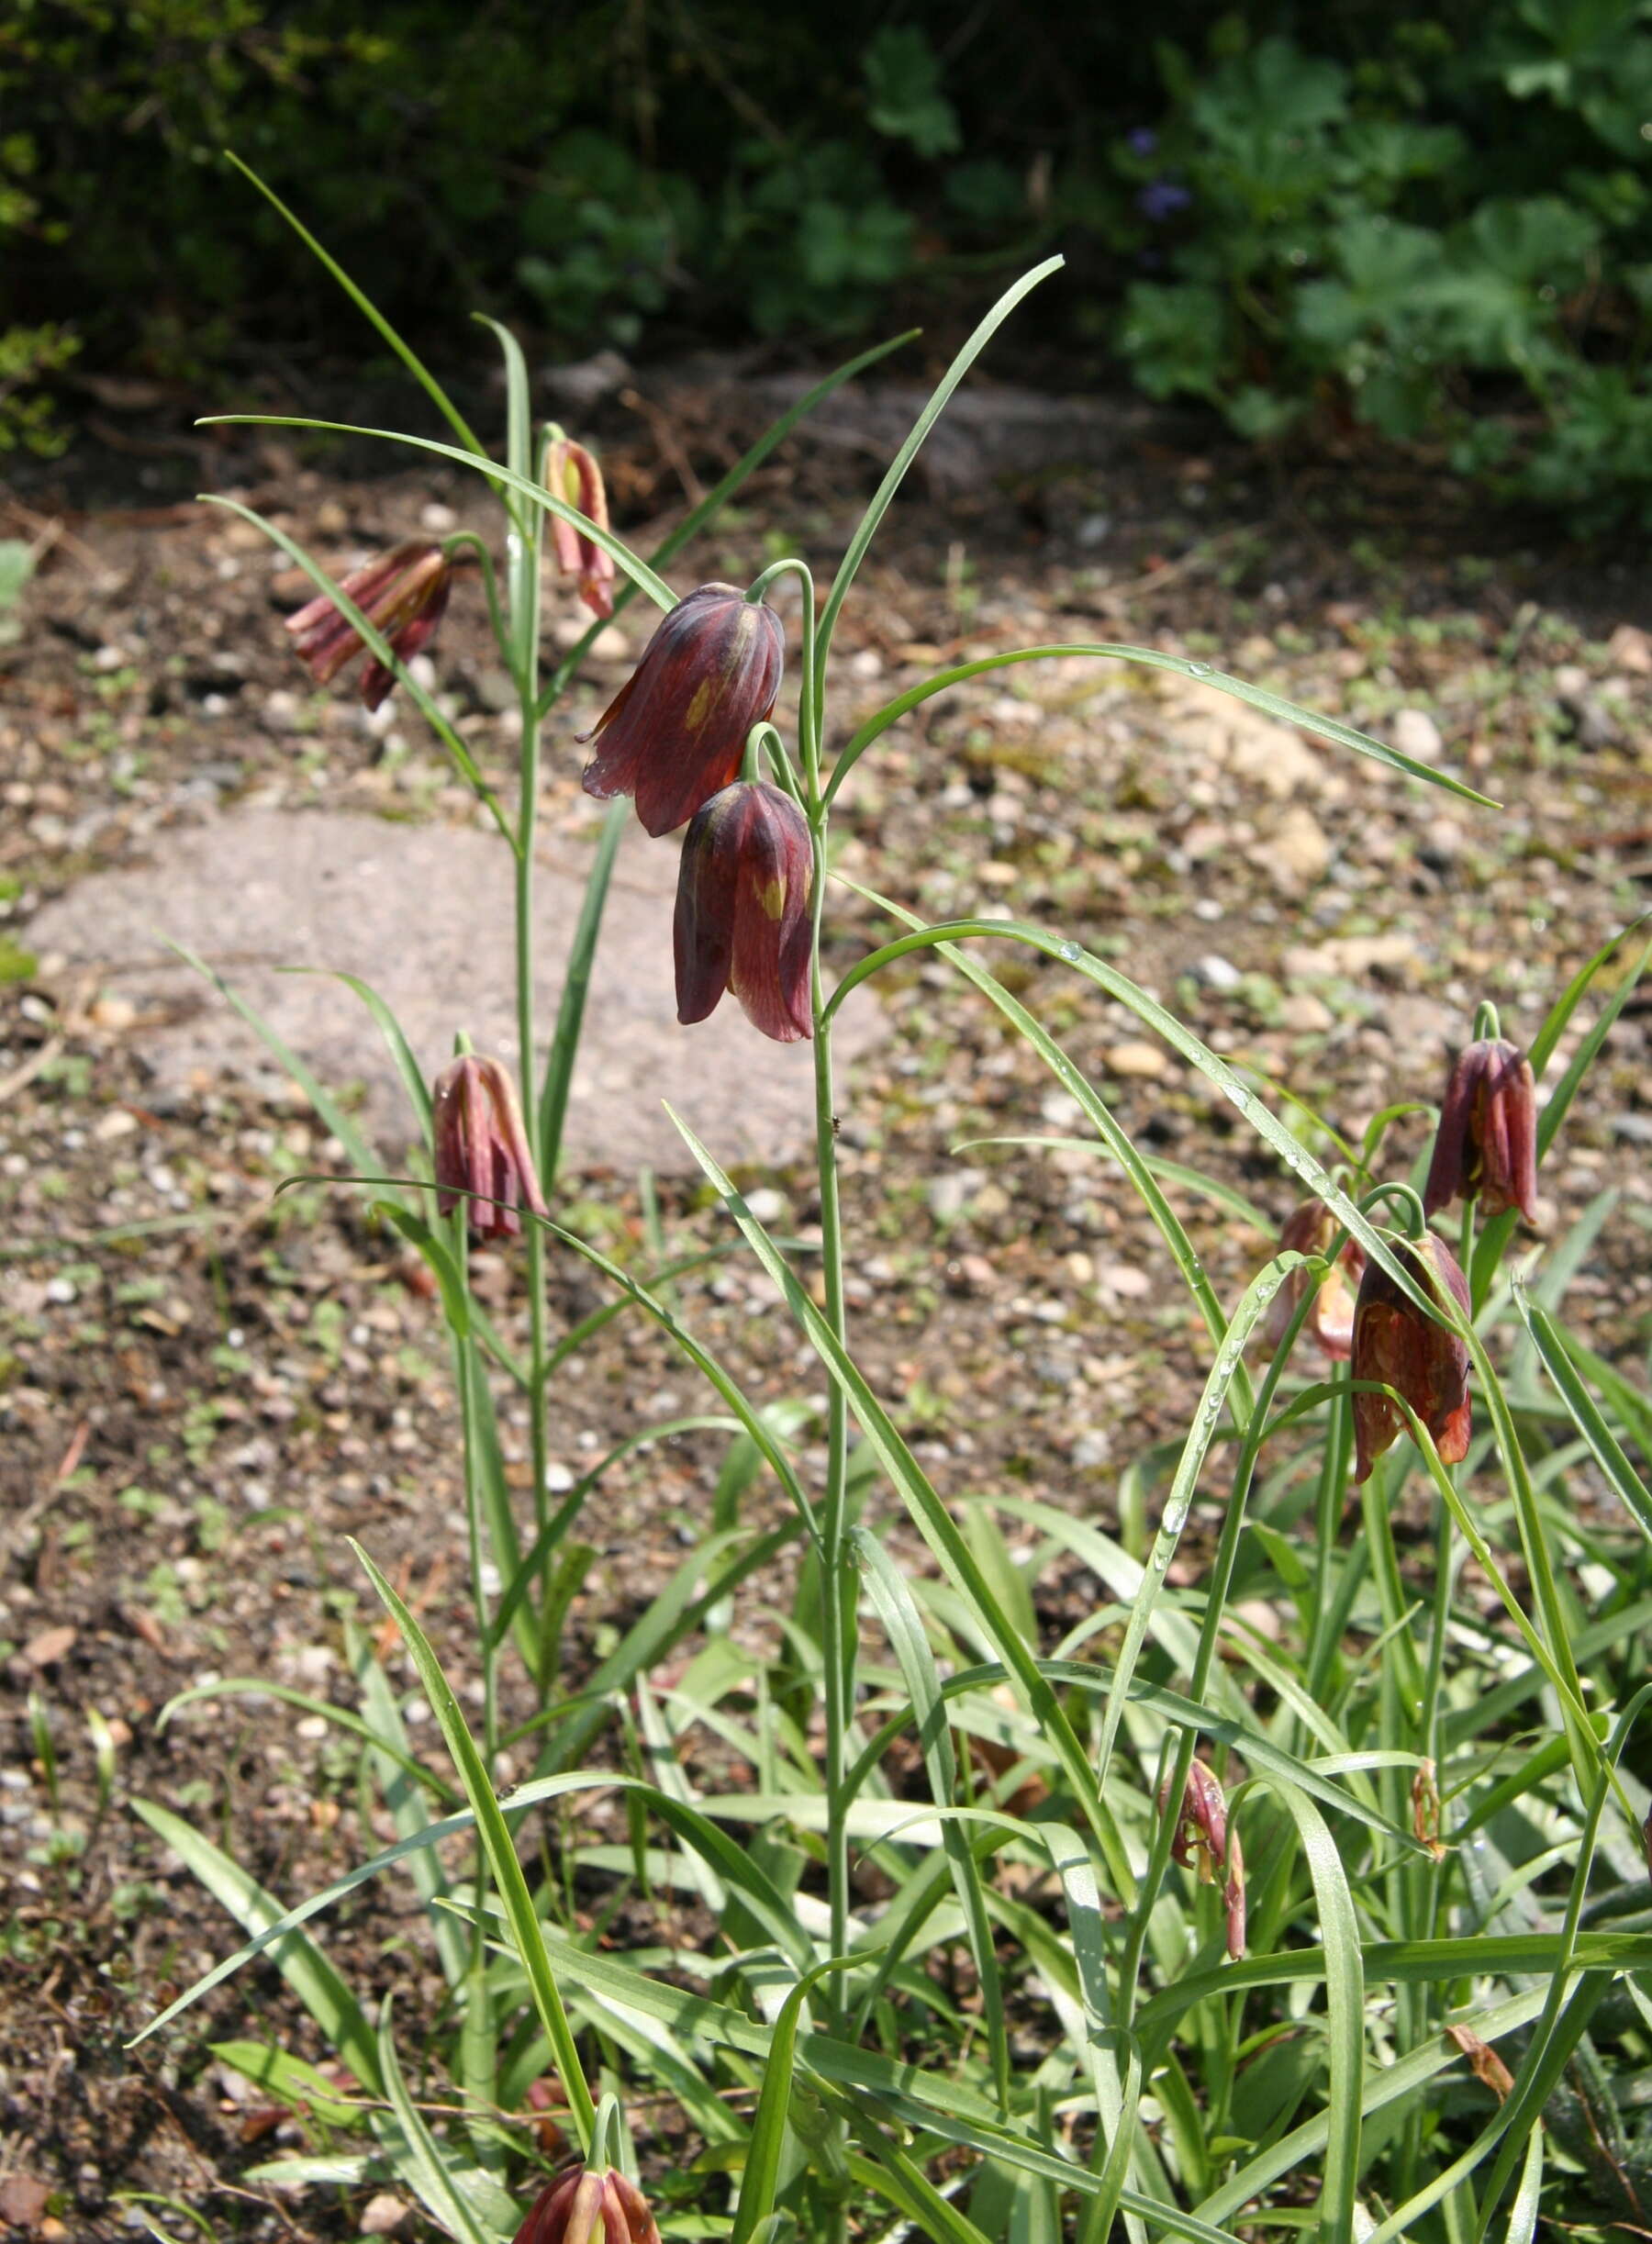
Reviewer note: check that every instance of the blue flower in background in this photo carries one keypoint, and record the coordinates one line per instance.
(1162, 199)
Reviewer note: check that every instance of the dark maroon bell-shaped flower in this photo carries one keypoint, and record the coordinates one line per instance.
(572, 474)
(675, 730)
(1486, 1146)
(743, 919)
(586, 2208)
(403, 593)
(1207, 1844)
(1310, 1229)
(1395, 1342)
(482, 1148)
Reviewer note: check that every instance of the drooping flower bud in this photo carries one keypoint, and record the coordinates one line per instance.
(1397, 1343)
(1310, 1229)
(403, 593)
(581, 2207)
(676, 729)
(1486, 1146)
(743, 919)
(1206, 1844)
(482, 1148)
(572, 474)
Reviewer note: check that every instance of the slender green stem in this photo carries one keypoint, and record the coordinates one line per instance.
(1410, 1207)
(466, 1370)
(524, 539)
(1204, 1656)
(808, 697)
(466, 540)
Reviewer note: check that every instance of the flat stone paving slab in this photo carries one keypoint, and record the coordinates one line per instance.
(424, 914)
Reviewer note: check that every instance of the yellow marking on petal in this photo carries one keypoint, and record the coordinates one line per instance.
(700, 708)
(773, 897)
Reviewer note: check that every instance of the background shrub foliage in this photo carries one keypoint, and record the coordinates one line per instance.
(1432, 225)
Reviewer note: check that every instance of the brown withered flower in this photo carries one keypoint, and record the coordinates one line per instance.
(482, 1148)
(743, 919)
(403, 593)
(1486, 1146)
(1398, 1344)
(676, 729)
(572, 474)
(1310, 1229)
(1207, 1844)
(583, 2208)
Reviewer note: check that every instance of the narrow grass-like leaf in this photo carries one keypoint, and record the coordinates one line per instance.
(296, 1955)
(379, 648)
(291, 2081)
(1384, 2086)
(340, 1717)
(1214, 1188)
(1585, 1412)
(946, 937)
(322, 1099)
(1254, 1300)
(577, 983)
(929, 1513)
(364, 304)
(899, 1612)
(409, 1808)
(509, 1878)
(878, 505)
(761, 2178)
(423, 2166)
(520, 486)
(718, 497)
(401, 1051)
(1257, 697)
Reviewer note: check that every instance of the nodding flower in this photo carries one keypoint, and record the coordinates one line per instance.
(676, 732)
(1310, 1229)
(482, 1148)
(403, 593)
(1207, 1844)
(1486, 1146)
(583, 2208)
(1400, 1344)
(572, 474)
(743, 918)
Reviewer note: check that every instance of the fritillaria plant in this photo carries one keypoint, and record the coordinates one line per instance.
(693, 740)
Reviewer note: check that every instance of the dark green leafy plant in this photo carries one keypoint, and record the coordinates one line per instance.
(1357, 241)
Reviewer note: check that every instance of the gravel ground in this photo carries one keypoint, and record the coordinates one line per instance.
(204, 1390)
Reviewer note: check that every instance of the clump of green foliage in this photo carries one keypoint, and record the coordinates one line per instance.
(1437, 227)
(1450, 223)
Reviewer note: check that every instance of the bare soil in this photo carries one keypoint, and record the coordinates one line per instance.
(204, 1388)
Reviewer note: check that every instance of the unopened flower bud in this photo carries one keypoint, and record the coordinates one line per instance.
(482, 1148)
(743, 919)
(403, 595)
(1400, 1344)
(582, 2207)
(676, 732)
(572, 474)
(1207, 1845)
(1310, 1229)
(1486, 1146)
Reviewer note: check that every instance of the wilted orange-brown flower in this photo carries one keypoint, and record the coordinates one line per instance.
(1207, 1844)
(403, 595)
(1486, 1146)
(572, 474)
(1310, 1229)
(1396, 1343)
